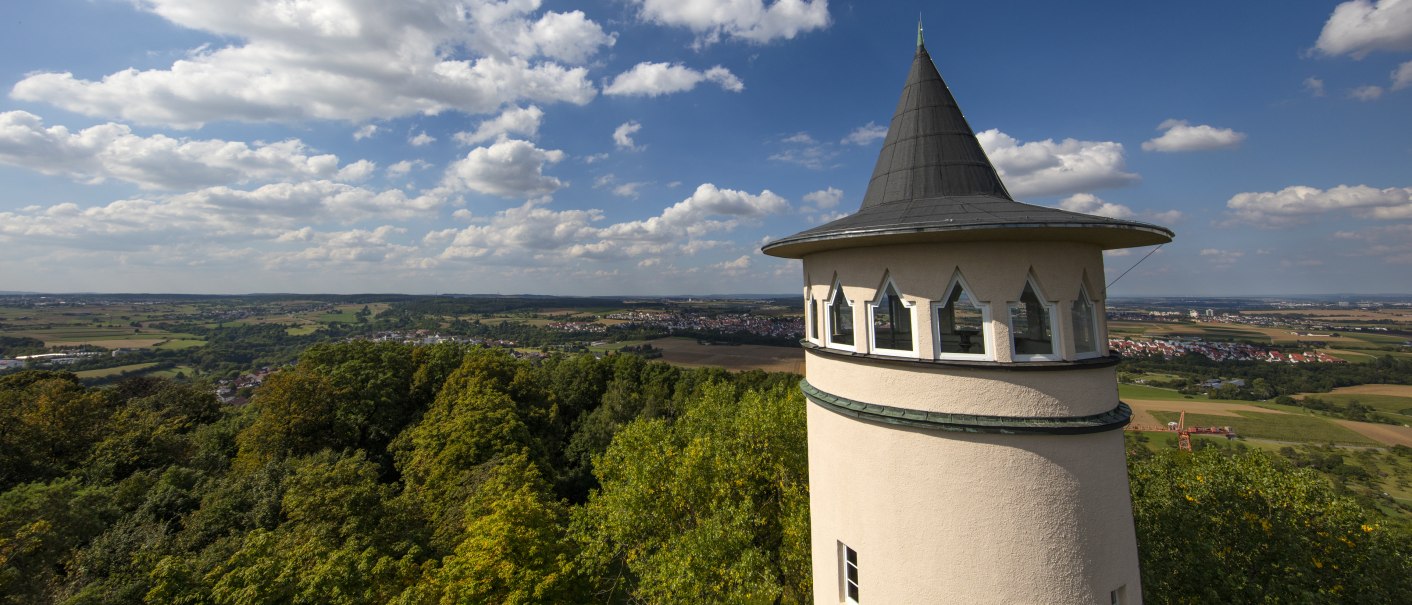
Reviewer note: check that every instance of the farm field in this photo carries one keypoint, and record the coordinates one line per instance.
(1382, 433)
(1394, 400)
(1388, 390)
(1141, 391)
(1341, 314)
(181, 343)
(687, 353)
(108, 338)
(172, 372)
(1145, 412)
(135, 368)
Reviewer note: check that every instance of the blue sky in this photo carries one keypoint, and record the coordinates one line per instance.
(651, 146)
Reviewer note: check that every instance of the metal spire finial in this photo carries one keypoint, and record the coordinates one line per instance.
(919, 30)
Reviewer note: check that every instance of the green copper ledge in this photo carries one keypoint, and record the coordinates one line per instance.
(1110, 420)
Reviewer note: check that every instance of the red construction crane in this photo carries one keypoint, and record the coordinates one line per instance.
(1184, 432)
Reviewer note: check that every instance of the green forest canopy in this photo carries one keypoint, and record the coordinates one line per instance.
(386, 473)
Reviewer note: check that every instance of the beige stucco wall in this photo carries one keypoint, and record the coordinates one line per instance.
(961, 518)
(942, 517)
(962, 390)
(995, 271)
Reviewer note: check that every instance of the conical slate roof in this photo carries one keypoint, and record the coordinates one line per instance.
(930, 151)
(933, 182)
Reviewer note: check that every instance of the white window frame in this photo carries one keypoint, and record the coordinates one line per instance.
(872, 327)
(1119, 595)
(837, 288)
(1093, 317)
(1056, 335)
(812, 332)
(987, 331)
(843, 581)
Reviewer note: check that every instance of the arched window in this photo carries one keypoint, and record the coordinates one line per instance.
(890, 319)
(840, 323)
(962, 323)
(1032, 326)
(1084, 316)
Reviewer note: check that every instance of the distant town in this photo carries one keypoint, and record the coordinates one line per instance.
(227, 337)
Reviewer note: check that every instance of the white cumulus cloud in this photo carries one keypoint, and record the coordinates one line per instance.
(509, 168)
(1314, 85)
(111, 151)
(1402, 76)
(401, 169)
(622, 135)
(751, 20)
(266, 212)
(1089, 203)
(733, 267)
(866, 134)
(532, 232)
(825, 198)
(1222, 258)
(1293, 205)
(365, 131)
(803, 150)
(1040, 168)
(1360, 27)
(1366, 93)
(1181, 136)
(421, 139)
(631, 190)
(655, 79)
(338, 248)
(523, 121)
(344, 60)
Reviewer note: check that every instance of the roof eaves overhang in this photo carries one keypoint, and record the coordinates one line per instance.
(1107, 237)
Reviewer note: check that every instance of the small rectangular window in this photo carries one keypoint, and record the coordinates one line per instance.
(1119, 596)
(850, 575)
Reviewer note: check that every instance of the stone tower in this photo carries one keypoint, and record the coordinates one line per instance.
(965, 440)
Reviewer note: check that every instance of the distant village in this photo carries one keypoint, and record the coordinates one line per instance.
(1302, 326)
(726, 323)
(1216, 351)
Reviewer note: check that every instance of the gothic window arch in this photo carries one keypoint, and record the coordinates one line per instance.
(1032, 325)
(892, 322)
(961, 324)
(1083, 315)
(838, 329)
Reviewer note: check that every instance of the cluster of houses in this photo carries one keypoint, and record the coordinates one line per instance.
(728, 323)
(1303, 357)
(1217, 351)
(230, 391)
(50, 359)
(579, 326)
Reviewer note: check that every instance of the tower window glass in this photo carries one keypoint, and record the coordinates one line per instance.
(961, 323)
(892, 321)
(840, 319)
(1085, 324)
(850, 575)
(1031, 324)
